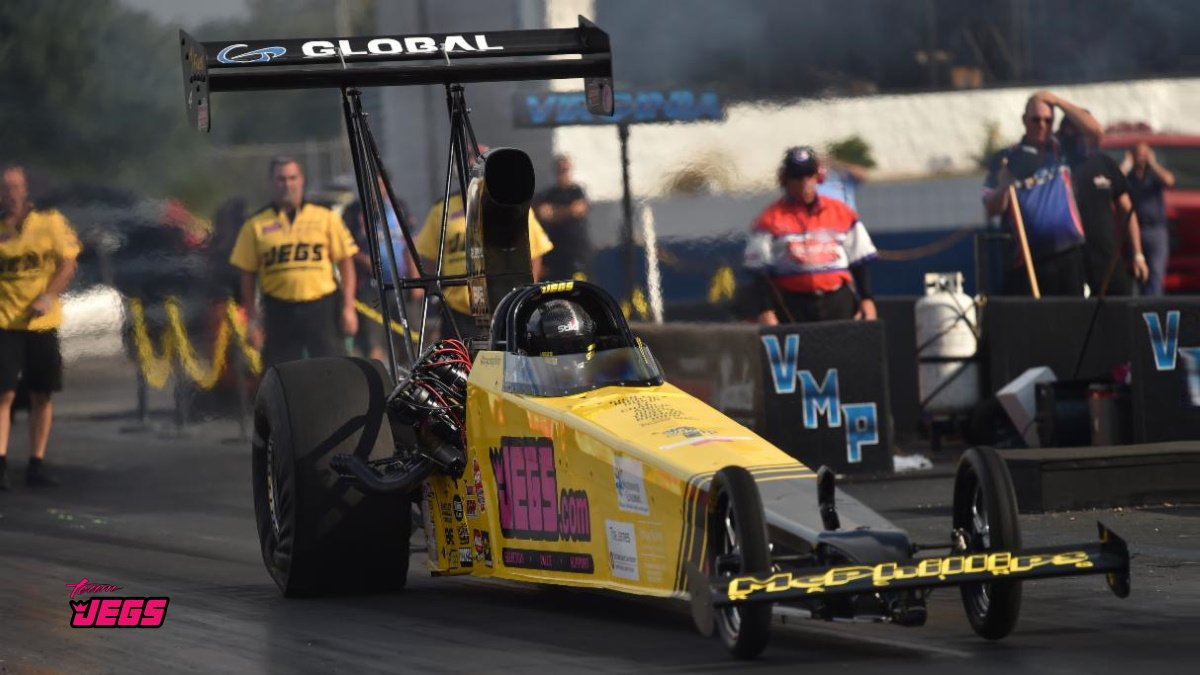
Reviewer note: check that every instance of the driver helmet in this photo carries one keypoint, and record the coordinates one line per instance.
(557, 327)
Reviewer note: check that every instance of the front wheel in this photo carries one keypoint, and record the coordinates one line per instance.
(985, 520)
(737, 536)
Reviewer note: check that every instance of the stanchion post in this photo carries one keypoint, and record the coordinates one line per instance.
(143, 399)
(239, 380)
(183, 403)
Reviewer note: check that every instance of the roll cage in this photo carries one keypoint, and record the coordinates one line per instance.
(349, 64)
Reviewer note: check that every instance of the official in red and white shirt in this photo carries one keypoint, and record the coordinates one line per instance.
(808, 251)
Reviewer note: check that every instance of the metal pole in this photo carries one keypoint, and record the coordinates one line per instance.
(626, 212)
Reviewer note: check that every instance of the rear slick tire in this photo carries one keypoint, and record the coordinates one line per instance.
(320, 536)
(985, 519)
(737, 536)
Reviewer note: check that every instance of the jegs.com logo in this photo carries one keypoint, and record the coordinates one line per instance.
(113, 611)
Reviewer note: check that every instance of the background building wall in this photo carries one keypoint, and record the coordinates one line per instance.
(909, 135)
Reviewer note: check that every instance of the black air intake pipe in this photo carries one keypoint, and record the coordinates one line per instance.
(497, 206)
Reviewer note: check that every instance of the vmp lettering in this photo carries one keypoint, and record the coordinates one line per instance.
(639, 107)
(821, 399)
(531, 504)
(1164, 346)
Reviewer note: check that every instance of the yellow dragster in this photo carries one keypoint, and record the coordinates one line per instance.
(583, 468)
(544, 445)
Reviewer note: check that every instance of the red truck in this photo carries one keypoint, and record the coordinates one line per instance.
(1181, 154)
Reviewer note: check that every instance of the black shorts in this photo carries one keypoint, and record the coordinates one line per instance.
(32, 356)
(297, 330)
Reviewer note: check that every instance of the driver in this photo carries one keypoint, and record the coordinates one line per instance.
(559, 327)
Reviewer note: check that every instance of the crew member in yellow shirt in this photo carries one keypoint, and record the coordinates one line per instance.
(290, 249)
(454, 255)
(37, 261)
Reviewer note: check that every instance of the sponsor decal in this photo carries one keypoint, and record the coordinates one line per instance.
(113, 611)
(622, 549)
(472, 509)
(464, 557)
(487, 549)
(449, 537)
(458, 508)
(446, 517)
(640, 107)
(557, 287)
(883, 574)
(264, 55)
(477, 537)
(479, 486)
(821, 400)
(384, 46)
(631, 487)
(652, 558)
(703, 440)
(552, 561)
(531, 504)
(428, 519)
(464, 535)
(647, 410)
(688, 432)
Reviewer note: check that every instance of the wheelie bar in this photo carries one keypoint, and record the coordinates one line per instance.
(1110, 557)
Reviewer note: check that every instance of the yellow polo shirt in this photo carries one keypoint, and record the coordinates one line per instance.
(454, 258)
(294, 260)
(29, 258)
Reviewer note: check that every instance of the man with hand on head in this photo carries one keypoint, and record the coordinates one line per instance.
(1147, 181)
(1038, 170)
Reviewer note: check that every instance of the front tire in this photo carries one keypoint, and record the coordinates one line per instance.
(737, 536)
(985, 519)
(318, 535)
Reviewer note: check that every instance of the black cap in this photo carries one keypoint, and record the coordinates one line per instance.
(800, 161)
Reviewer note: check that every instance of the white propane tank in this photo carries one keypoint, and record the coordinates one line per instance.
(947, 323)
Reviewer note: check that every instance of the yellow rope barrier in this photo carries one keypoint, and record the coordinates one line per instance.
(156, 369)
(369, 312)
(176, 346)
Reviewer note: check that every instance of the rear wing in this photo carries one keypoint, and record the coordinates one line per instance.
(439, 58)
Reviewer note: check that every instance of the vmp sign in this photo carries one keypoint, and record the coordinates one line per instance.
(555, 109)
(1166, 375)
(827, 397)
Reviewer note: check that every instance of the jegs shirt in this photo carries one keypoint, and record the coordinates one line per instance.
(29, 258)
(294, 260)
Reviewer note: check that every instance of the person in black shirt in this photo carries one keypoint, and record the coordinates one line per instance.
(562, 210)
(1147, 180)
(1103, 199)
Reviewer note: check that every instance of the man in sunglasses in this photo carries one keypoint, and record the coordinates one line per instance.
(1037, 167)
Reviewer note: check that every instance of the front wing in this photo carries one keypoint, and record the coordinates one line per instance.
(1110, 557)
